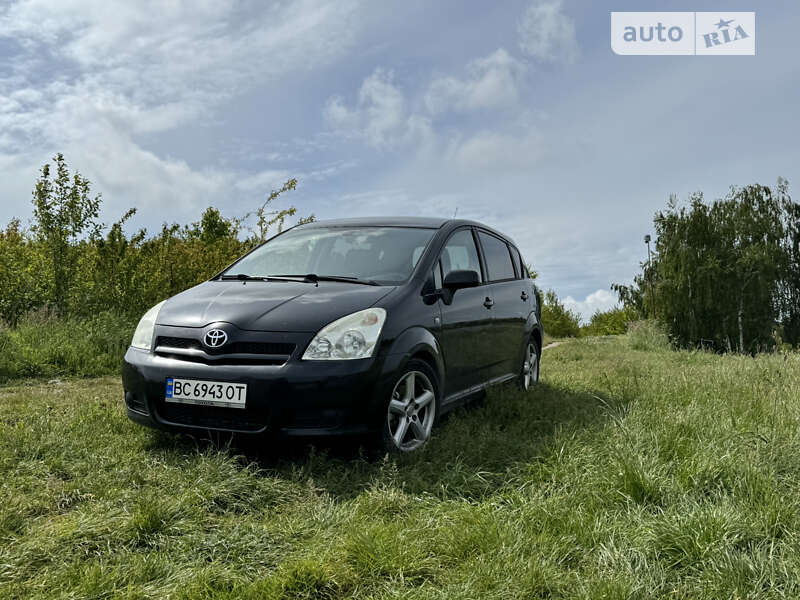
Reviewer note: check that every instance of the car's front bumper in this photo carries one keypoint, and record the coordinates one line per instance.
(296, 398)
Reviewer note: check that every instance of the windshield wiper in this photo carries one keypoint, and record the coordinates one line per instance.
(314, 278)
(246, 277)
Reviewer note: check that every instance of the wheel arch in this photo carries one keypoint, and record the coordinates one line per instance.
(416, 342)
(536, 334)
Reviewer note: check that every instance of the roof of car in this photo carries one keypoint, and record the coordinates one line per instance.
(425, 222)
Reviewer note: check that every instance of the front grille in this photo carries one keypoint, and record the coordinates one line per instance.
(259, 348)
(223, 361)
(182, 343)
(261, 353)
(213, 417)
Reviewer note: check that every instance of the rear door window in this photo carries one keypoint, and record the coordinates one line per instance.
(497, 257)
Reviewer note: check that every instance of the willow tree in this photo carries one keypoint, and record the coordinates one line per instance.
(720, 269)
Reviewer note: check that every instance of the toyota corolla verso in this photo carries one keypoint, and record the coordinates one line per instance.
(352, 326)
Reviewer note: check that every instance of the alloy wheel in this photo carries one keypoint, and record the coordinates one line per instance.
(412, 411)
(530, 367)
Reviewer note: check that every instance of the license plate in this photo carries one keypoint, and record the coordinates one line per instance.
(206, 393)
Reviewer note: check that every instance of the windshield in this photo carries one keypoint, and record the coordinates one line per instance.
(386, 255)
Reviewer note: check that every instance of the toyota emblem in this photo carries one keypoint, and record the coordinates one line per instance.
(215, 338)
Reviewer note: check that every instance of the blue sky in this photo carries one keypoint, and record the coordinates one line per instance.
(515, 113)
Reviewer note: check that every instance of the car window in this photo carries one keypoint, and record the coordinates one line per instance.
(517, 261)
(497, 257)
(383, 254)
(523, 268)
(460, 254)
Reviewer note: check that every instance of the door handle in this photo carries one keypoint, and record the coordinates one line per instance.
(488, 303)
(524, 295)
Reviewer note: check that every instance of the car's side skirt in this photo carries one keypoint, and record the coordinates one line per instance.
(453, 399)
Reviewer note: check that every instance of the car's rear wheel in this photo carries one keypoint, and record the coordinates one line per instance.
(412, 408)
(529, 376)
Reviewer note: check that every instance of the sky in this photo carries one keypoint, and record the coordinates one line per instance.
(515, 113)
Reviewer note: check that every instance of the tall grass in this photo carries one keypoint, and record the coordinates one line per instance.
(43, 345)
(628, 474)
(647, 335)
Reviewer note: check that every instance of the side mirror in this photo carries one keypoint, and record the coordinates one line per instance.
(457, 280)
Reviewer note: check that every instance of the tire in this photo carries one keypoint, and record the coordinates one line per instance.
(529, 372)
(412, 408)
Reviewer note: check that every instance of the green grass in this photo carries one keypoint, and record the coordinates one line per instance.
(44, 346)
(628, 474)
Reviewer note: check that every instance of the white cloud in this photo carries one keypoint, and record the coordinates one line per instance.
(497, 151)
(380, 116)
(154, 52)
(546, 34)
(492, 82)
(90, 78)
(599, 300)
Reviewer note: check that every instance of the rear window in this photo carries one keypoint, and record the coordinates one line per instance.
(498, 258)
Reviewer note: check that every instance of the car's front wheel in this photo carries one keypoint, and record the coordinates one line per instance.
(529, 376)
(412, 408)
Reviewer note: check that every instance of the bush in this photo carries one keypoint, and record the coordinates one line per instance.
(648, 335)
(609, 322)
(557, 319)
(66, 261)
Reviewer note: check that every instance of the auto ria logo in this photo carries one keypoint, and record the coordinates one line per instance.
(679, 33)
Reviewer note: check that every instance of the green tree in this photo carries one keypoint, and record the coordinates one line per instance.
(789, 292)
(266, 218)
(21, 285)
(610, 322)
(719, 273)
(557, 319)
(63, 211)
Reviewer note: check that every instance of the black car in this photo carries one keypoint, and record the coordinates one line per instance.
(341, 327)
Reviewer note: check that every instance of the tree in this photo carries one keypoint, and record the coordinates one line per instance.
(610, 322)
(119, 272)
(63, 211)
(789, 289)
(557, 319)
(720, 273)
(265, 218)
(21, 284)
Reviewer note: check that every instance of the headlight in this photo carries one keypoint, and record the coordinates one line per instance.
(143, 336)
(353, 336)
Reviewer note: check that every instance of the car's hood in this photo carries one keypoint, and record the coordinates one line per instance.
(268, 305)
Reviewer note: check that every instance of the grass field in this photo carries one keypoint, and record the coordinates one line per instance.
(630, 473)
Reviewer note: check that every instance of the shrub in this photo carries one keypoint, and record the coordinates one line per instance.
(648, 335)
(558, 320)
(67, 262)
(609, 322)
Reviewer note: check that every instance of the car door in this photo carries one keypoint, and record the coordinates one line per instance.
(466, 318)
(511, 304)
